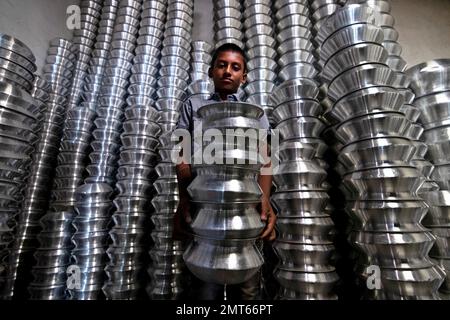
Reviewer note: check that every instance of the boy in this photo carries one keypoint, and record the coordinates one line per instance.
(228, 71)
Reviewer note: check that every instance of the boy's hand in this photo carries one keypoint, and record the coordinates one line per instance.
(185, 207)
(268, 216)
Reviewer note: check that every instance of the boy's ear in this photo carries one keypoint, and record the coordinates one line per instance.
(210, 72)
(244, 78)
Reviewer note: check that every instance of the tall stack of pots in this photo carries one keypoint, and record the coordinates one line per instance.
(201, 57)
(430, 82)
(374, 153)
(20, 124)
(225, 193)
(54, 251)
(127, 254)
(304, 245)
(259, 43)
(93, 199)
(28, 226)
(83, 40)
(166, 255)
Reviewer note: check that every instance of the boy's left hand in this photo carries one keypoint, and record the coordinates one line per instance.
(268, 216)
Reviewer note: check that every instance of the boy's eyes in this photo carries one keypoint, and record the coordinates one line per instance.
(235, 67)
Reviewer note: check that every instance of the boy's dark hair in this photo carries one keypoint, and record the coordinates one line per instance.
(228, 47)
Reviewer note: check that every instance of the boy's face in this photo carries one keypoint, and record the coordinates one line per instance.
(228, 72)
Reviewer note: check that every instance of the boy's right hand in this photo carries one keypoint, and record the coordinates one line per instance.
(185, 208)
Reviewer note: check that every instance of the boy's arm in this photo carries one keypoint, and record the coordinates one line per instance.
(267, 213)
(184, 176)
(265, 182)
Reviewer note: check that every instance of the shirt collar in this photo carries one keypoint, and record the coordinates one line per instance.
(231, 97)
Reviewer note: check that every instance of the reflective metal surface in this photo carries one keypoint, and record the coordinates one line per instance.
(234, 261)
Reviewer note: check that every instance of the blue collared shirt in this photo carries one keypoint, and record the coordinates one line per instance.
(188, 113)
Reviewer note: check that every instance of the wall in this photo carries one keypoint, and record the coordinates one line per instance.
(203, 21)
(424, 25)
(35, 22)
(424, 28)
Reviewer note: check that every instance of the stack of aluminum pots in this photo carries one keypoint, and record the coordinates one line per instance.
(390, 41)
(79, 124)
(167, 267)
(412, 113)
(40, 93)
(415, 133)
(93, 199)
(261, 64)
(430, 82)
(84, 40)
(227, 23)
(17, 63)
(75, 144)
(201, 84)
(90, 240)
(320, 10)
(228, 26)
(304, 245)
(394, 60)
(19, 122)
(97, 64)
(226, 192)
(130, 235)
(437, 220)
(296, 47)
(380, 184)
(174, 63)
(71, 166)
(294, 40)
(52, 257)
(79, 119)
(112, 94)
(304, 233)
(72, 157)
(167, 264)
(145, 63)
(28, 220)
(59, 64)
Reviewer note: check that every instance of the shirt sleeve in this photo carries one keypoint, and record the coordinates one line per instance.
(185, 120)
